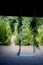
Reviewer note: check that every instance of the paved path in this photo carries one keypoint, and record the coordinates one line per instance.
(8, 55)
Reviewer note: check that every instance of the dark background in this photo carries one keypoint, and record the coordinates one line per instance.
(20, 8)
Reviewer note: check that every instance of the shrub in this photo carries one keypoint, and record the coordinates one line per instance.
(5, 32)
(39, 37)
(17, 40)
(27, 37)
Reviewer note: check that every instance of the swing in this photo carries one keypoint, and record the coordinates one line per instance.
(20, 35)
(19, 54)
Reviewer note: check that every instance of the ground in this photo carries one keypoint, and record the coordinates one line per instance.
(8, 55)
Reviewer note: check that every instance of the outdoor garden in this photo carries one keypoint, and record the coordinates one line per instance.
(32, 30)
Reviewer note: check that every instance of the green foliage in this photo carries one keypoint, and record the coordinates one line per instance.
(27, 36)
(16, 34)
(40, 35)
(5, 32)
(30, 29)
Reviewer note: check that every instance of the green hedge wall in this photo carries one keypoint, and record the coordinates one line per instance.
(5, 32)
